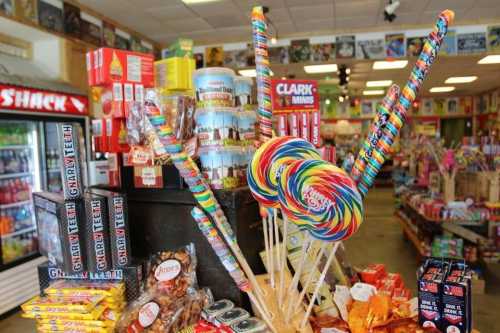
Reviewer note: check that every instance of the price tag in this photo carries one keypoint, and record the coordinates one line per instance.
(148, 176)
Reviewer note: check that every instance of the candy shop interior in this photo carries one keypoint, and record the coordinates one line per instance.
(275, 166)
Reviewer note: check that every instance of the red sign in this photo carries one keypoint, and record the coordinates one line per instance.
(28, 99)
(294, 95)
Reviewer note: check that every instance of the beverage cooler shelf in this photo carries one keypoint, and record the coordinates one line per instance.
(19, 232)
(15, 204)
(15, 175)
(12, 147)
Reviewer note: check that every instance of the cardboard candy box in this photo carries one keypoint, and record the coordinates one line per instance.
(71, 171)
(59, 224)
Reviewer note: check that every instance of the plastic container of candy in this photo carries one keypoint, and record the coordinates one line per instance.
(243, 91)
(217, 127)
(221, 166)
(214, 87)
(247, 121)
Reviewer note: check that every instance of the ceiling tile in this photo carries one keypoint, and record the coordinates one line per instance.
(249, 4)
(153, 3)
(170, 12)
(410, 6)
(482, 13)
(356, 8)
(215, 8)
(224, 21)
(187, 25)
(285, 28)
(299, 3)
(355, 22)
(316, 25)
(279, 15)
(311, 12)
(451, 4)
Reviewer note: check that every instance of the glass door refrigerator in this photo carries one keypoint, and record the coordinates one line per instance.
(29, 162)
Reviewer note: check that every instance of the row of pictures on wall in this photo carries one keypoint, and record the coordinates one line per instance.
(63, 17)
(348, 47)
(485, 103)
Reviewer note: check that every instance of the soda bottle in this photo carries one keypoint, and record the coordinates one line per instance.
(2, 165)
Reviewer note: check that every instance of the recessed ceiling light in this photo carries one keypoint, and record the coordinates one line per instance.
(441, 89)
(390, 64)
(193, 2)
(373, 92)
(250, 72)
(381, 83)
(273, 40)
(491, 59)
(327, 68)
(460, 79)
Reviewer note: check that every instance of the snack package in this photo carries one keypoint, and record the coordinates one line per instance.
(157, 312)
(86, 289)
(250, 325)
(216, 308)
(173, 273)
(78, 304)
(96, 314)
(49, 328)
(71, 170)
(74, 322)
(456, 300)
(231, 317)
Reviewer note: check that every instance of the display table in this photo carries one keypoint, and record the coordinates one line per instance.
(161, 219)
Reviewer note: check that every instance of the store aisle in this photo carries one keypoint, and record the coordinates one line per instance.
(380, 240)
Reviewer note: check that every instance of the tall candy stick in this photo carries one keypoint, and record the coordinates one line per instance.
(197, 184)
(260, 34)
(382, 115)
(318, 285)
(228, 260)
(427, 56)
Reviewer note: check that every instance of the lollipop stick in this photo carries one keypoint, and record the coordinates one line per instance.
(264, 315)
(296, 276)
(266, 242)
(283, 261)
(318, 285)
(277, 240)
(271, 242)
(310, 277)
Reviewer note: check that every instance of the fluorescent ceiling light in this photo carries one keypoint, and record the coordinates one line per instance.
(250, 72)
(381, 83)
(327, 68)
(390, 64)
(373, 92)
(441, 89)
(460, 79)
(491, 59)
(193, 2)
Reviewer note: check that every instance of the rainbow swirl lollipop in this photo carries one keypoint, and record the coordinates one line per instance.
(269, 161)
(321, 198)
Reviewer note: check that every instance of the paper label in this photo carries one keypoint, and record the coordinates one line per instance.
(148, 314)
(148, 176)
(168, 270)
(134, 68)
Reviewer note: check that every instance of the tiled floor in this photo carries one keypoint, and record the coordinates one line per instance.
(378, 240)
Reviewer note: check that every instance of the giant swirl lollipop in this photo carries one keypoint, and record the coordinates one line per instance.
(320, 198)
(270, 160)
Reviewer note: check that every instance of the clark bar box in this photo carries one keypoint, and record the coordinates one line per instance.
(118, 227)
(71, 168)
(97, 243)
(59, 225)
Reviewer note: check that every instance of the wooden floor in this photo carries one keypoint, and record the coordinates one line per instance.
(379, 240)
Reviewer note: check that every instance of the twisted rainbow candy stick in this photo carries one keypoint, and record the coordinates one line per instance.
(382, 115)
(259, 28)
(321, 198)
(269, 161)
(193, 177)
(407, 96)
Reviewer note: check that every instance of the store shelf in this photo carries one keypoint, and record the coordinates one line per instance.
(15, 175)
(19, 232)
(463, 232)
(13, 147)
(410, 233)
(15, 204)
(54, 170)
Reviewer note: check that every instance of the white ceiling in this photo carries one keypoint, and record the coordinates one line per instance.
(226, 21)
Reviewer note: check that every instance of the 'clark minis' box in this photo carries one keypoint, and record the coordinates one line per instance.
(132, 275)
(97, 234)
(122, 66)
(456, 299)
(59, 225)
(71, 165)
(430, 288)
(118, 227)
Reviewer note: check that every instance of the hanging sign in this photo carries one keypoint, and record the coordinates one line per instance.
(294, 95)
(29, 99)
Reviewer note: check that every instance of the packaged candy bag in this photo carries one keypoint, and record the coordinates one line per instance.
(78, 304)
(86, 288)
(97, 313)
(157, 312)
(173, 273)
